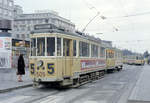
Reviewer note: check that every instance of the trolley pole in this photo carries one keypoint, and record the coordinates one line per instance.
(90, 21)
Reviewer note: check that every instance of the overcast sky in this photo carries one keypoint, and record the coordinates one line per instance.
(130, 17)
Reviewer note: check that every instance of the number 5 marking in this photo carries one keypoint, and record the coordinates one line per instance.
(50, 68)
(32, 68)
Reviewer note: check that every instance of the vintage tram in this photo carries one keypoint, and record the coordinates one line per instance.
(66, 59)
(134, 60)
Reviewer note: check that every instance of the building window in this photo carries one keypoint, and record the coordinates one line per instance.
(17, 35)
(34, 21)
(46, 20)
(5, 2)
(23, 35)
(28, 22)
(23, 22)
(0, 10)
(10, 4)
(40, 21)
(29, 28)
(1, 1)
(83, 49)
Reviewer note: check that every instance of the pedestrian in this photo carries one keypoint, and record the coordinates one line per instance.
(20, 68)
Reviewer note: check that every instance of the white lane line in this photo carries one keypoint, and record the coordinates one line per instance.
(51, 99)
(95, 101)
(14, 99)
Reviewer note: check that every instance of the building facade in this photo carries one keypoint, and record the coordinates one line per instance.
(6, 9)
(24, 23)
(6, 18)
(17, 11)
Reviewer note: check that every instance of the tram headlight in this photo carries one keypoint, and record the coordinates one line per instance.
(40, 63)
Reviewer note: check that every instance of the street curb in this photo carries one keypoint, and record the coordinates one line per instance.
(137, 101)
(15, 88)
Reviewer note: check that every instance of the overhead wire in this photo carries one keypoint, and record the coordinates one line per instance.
(91, 7)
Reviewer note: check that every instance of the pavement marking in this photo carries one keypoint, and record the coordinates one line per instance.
(14, 99)
(95, 101)
(51, 99)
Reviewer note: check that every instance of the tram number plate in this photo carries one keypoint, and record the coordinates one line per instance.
(40, 74)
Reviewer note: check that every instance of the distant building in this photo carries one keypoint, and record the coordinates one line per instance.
(106, 43)
(24, 23)
(6, 9)
(17, 11)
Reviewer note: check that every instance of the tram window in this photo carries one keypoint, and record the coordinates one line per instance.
(51, 46)
(33, 46)
(83, 49)
(74, 48)
(40, 46)
(94, 50)
(58, 46)
(66, 47)
(111, 54)
(102, 52)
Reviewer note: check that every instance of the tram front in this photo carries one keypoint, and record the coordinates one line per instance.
(43, 61)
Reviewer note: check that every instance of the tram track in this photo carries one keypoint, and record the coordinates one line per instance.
(35, 100)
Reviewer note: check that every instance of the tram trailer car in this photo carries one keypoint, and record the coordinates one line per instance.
(134, 60)
(114, 59)
(139, 60)
(59, 57)
(110, 59)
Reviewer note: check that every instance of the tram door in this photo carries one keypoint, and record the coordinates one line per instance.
(68, 54)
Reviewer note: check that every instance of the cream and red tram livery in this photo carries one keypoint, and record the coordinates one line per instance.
(134, 60)
(65, 58)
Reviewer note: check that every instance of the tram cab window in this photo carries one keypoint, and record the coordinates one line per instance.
(94, 51)
(102, 52)
(58, 46)
(74, 48)
(33, 47)
(83, 49)
(51, 46)
(40, 46)
(66, 47)
(110, 54)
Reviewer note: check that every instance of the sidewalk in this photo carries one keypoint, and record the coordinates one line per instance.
(141, 91)
(8, 80)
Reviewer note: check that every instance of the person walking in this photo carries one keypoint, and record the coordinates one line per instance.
(20, 68)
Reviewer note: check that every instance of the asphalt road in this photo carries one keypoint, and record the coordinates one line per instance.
(113, 88)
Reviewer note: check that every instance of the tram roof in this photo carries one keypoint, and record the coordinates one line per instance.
(77, 34)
